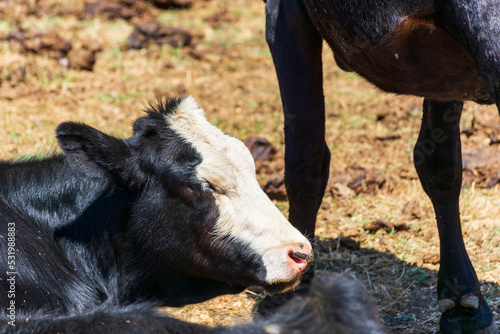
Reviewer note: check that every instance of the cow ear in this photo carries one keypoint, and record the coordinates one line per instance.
(92, 150)
(145, 127)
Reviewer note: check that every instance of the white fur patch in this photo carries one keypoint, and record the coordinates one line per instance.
(246, 213)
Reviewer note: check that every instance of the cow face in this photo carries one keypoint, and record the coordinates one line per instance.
(200, 213)
(246, 216)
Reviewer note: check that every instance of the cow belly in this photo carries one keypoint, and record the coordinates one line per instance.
(421, 59)
(400, 53)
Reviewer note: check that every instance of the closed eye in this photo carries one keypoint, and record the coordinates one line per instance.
(207, 186)
(201, 187)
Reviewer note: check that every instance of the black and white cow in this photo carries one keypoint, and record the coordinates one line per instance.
(171, 215)
(333, 305)
(445, 51)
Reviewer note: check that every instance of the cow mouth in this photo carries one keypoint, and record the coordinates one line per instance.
(300, 258)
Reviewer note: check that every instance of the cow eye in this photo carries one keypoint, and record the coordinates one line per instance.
(207, 186)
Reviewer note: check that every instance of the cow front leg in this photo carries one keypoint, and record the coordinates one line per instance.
(296, 49)
(438, 160)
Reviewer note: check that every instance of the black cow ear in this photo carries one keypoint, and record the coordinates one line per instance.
(90, 149)
(145, 127)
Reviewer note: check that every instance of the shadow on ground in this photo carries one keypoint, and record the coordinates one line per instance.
(404, 293)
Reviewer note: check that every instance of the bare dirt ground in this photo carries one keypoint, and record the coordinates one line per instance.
(102, 62)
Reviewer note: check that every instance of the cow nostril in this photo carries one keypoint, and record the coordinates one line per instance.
(298, 257)
(301, 246)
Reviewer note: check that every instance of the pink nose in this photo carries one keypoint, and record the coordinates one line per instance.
(300, 257)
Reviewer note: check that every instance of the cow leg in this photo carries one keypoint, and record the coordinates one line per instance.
(437, 158)
(296, 49)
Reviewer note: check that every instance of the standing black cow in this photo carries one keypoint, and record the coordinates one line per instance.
(446, 51)
(172, 215)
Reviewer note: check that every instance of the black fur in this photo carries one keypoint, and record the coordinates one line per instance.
(114, 222)
(446, 51)
(334, 305)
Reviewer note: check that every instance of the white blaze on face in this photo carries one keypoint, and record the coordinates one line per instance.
(245, 211)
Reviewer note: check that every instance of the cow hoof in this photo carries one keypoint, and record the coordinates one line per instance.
(472, 316)
(492, 329)
(445, 304)
(470, 301)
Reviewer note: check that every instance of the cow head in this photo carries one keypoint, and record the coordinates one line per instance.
(200, 214)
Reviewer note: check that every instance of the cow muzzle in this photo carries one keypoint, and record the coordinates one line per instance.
(300, 258)
(291, 262)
